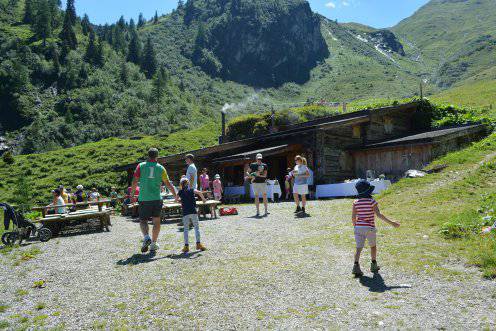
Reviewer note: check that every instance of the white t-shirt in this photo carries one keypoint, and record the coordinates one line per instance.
(300, 170)
(192, 172)
(94, 195)
(60, 202)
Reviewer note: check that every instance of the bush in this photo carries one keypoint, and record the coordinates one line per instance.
(8, 157)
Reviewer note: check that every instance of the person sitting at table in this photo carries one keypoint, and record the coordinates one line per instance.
(63, 194)
(58, 203)
(113, 197)
(94, 195)
(79, 194)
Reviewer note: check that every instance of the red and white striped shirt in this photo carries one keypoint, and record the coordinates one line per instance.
(365, 214)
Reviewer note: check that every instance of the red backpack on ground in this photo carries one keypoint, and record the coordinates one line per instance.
(228, 211)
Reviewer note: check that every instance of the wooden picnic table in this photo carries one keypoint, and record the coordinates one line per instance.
(56, 222)
(77, 205)
(172, 208)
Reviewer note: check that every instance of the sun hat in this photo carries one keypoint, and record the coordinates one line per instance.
(79, 187)
(364, 189)
(217, 176)
(259, 156)
(184, 179)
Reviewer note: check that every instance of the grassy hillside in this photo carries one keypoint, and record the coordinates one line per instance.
(453, 39)
(443, 213)
(90, 164)
(476, 94)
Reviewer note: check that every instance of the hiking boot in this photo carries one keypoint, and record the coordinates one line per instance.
(357, 271)
(185, 249)
(374, 268)
(154, 247)
(146, 243)
(298, 210)
(200, 247)
(303, 210)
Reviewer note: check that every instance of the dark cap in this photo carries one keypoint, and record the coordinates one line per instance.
(364, 189)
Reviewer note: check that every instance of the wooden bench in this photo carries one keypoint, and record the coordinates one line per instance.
(57, 222)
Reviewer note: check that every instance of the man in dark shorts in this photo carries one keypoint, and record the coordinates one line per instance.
(258, 175)
(150, 175)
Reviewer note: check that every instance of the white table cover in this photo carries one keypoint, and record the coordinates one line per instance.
(347, 189)
(272, 189)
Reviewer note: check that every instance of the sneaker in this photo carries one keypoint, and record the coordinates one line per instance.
(185, 249)
(298, 209)
(146, 243)
(374, 268)
(154, 247)
(258, 214)
(200, 247)
(357, 271)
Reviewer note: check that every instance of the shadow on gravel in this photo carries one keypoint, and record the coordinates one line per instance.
(301, 215)
(140, 258)
(191, 255)
(377, 284)
(255, 217)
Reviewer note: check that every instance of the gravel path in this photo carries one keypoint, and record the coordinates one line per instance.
(277, 272)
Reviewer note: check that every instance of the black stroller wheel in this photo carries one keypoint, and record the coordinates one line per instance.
(4, 238)
(9, 238)
(44, 234)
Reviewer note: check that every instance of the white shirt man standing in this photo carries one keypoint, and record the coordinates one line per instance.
(191, 172)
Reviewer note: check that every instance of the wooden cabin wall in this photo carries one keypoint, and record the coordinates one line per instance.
(454, 143)
(392, 161)
(332, 163)
(383, 127)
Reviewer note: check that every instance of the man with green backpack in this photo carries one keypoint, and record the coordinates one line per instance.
(150, 175)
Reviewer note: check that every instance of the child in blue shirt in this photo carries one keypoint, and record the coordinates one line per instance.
(186, 196)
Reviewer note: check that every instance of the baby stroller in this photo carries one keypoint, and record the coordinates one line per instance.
(22, 229)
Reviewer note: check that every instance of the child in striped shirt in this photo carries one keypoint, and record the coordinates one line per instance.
(363, 217)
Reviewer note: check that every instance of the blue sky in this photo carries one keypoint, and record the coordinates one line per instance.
(377, 13)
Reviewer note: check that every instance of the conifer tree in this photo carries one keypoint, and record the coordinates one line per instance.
(159, 83)
(86, 25)
(42, 26)
(71, 11)
(121, 23)
(99, 55)
(124, 73)
(200, 42)
(91, 52)
(55, 12)
(149, 63)
(155, 18)
(54, 54)
(29, 12)
(135, 48)
(67, 35)
(141, 21)
(132, 25)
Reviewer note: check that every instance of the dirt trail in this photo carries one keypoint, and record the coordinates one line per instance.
(278, 272)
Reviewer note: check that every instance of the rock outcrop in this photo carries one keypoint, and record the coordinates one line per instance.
(257, 42)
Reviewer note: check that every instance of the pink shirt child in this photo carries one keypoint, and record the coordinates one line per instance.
(205, 182)
(217, 184)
